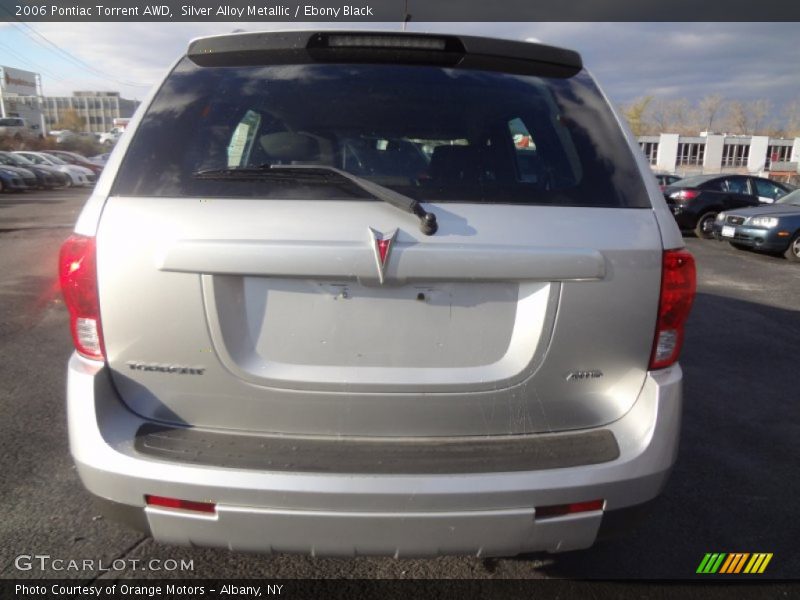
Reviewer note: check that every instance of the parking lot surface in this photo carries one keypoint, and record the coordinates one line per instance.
(734, 488)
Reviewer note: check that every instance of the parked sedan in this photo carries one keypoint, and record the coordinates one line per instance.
(696, 201)
(74, 158)
(28, 178)
(767, 228)
(78, 175)
(62, 135)
(12, 180)
(45, 177)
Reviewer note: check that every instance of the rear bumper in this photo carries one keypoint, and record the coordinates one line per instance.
(349, 514)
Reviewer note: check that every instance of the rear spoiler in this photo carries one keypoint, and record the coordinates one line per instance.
(460, 52)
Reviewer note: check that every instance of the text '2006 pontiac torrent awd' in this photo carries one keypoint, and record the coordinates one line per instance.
(348, 293)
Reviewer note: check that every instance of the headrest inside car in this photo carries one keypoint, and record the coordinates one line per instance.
(287, 146)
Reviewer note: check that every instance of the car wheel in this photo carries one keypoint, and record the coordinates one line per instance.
(793, 251)
(739, 246)
(1, 186)
(705, 226)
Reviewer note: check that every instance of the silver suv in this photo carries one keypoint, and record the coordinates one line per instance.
(372, 293)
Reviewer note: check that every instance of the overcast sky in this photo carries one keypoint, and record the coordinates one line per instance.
(740, 61)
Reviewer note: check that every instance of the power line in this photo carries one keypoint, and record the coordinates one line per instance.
(77, 61)
(30, 63)
(50, 46)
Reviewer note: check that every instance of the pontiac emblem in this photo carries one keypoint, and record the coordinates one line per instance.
(382, 248)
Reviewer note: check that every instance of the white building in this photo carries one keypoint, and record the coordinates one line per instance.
(717, 153)
(21, 96)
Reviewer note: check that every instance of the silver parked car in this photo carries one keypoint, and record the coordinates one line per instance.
(322, 302)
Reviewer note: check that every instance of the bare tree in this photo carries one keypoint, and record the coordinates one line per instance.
(739, 118)
(71, 120)
(759, 109)
(677, 112)
(634, 113)
(710, 107)
(659, 114)
(792, 119)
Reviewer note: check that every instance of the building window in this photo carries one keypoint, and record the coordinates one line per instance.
(735, 155)
(778, 153)
(650, 150)
(691, 153)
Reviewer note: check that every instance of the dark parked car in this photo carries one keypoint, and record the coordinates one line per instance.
(43, 178)
(12, 179)
(665, 179)
(696, 201)
(767, 228)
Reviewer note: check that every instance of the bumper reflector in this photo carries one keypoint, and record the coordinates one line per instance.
(162, 502)
(559, 510)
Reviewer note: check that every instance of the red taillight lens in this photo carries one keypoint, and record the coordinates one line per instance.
(77, 274)
(685, 195)
(678, 287)
(164, 502)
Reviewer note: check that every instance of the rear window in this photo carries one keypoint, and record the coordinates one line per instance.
(432, 133)
(698, 180)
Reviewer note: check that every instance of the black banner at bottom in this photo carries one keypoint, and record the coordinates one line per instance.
(357, 589)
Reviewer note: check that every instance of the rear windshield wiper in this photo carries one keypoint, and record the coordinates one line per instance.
(322, 173)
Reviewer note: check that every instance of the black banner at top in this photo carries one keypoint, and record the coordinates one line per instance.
(399, 10)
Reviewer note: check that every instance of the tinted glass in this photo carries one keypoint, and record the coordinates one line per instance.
(768, 189)
(54, 159)
(737, 185)
(19, 160)
(432, 133)
(706, 181)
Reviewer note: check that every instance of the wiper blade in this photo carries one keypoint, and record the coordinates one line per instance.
(245, 173)
(428, 224)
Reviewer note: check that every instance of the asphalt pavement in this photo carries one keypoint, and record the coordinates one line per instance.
(734, 488)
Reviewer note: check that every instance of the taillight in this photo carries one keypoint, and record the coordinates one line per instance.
(77, 274)
(678, 286)
(684, 195)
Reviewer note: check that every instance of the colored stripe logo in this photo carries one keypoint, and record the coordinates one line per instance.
(734, 563)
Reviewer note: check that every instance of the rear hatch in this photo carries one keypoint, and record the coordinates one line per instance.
(267, 300)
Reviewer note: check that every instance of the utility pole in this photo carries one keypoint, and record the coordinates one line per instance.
(2, 94)
(40, 104)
